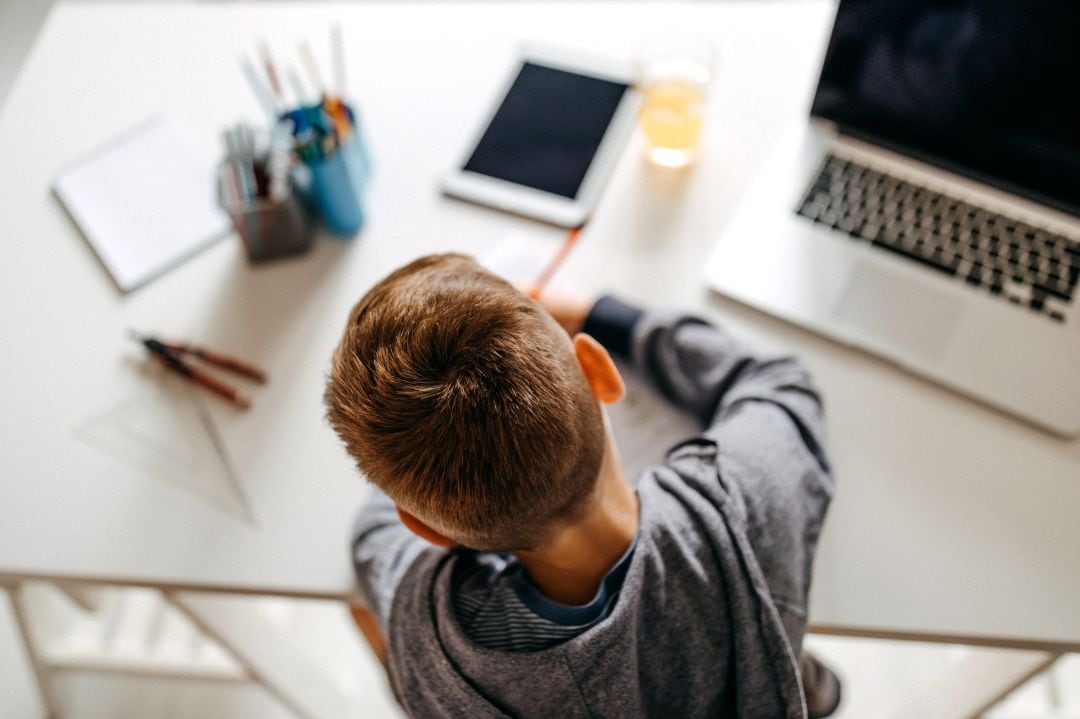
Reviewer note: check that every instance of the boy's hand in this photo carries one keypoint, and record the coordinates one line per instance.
(570, 312)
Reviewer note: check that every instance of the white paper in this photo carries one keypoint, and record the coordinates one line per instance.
(519, 260)
(145, 201)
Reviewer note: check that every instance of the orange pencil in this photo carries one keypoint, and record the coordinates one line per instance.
(553, 266)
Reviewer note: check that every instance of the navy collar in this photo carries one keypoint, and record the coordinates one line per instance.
(572, 614)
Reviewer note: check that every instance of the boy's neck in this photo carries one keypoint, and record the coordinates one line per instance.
(569, 567)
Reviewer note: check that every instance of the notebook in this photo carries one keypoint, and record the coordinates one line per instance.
(145, 201)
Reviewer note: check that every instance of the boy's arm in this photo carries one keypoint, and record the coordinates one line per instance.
(765, 416)
(704, 370)
(383, 549)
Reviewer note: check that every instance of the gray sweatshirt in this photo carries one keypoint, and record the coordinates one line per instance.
(710, 614)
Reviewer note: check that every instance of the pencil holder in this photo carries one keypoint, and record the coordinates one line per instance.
(269, 228)
(337, 186)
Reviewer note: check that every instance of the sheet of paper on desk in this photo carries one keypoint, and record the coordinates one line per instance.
(644, 424)
(144, 201)
(519, 260)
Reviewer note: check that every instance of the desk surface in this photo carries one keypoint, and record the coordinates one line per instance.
(952, 520)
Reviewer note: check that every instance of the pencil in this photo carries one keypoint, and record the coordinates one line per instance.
(297, 86)
(312, 68)
(338, 48)
(262, 92)
(271, 74)
(556, 261)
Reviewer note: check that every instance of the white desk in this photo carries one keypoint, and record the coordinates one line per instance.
(952, 522)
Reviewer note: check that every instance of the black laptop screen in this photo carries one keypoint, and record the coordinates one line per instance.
(988, 88)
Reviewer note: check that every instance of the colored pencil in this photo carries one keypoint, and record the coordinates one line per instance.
(556, 261)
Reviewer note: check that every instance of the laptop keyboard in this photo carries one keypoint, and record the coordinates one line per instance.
(1022, 264)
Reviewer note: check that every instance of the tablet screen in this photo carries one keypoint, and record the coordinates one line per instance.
(547, 130)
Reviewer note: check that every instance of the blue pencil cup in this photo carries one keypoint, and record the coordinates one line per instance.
(337, 186)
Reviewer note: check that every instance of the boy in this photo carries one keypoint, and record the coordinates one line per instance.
(512, 567)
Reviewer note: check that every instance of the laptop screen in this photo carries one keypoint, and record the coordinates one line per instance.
(986, 88)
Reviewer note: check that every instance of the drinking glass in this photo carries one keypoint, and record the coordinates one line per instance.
(674, 73)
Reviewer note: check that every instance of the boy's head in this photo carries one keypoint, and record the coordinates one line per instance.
(463, 400)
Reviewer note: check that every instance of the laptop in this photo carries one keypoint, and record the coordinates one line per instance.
(929, 209)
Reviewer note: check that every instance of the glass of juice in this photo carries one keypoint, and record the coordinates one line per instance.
(674, 73)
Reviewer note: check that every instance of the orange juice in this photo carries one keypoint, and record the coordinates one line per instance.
(671, 117)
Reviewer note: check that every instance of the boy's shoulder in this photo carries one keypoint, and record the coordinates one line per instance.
(686, 600)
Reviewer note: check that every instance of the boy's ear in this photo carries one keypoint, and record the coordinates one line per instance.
(417, 527)
(600, 370)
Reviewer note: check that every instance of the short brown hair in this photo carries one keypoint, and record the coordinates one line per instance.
(461, 398)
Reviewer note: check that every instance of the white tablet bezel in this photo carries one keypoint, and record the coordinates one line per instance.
(546, 206)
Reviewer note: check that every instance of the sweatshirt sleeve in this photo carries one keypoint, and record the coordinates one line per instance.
(764, 416)
(383, 549)
(707, 372)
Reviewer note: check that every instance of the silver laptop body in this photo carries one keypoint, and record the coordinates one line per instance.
(1013, 344)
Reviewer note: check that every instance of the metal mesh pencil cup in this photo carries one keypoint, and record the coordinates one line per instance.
(269, 228)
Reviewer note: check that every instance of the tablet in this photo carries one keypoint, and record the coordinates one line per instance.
(552, 141)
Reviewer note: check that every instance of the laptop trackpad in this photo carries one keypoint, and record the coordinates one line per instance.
(890, 313)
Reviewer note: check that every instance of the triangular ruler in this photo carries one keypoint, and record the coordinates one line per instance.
(169, 435)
